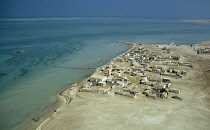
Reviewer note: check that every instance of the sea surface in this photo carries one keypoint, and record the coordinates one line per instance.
(29, 86)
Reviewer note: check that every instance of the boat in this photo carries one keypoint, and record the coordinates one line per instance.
(16, 59)
(21, 51)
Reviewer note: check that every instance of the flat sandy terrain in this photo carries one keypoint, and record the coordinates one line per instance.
(92, 111)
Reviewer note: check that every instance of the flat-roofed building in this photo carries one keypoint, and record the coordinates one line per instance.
(98, 78)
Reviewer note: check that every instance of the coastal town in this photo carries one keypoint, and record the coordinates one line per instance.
(165, 80)
(143, 71)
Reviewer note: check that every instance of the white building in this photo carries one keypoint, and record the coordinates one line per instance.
(98, 78)
(158, 86)
(117, 74)
(87, 85)
(121, 83)
(144, 80)
(101, 83)
(140, 74)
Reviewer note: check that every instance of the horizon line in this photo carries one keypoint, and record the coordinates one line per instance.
(33, 19)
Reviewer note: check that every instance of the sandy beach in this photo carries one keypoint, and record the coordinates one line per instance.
(86, 110)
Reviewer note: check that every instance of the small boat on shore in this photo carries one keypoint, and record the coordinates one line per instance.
(21, 51)
(16, 59)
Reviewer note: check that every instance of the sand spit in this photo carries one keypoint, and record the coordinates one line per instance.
(197, 21)
(115, 110)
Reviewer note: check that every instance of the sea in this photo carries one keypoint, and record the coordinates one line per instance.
(29, 86)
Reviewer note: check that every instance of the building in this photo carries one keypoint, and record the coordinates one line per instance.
(117, 74)
(98, 78)
(101, 83)
(121, 83)
(140, 74)
(144, 80)
(158, 86)
(166, 80)
(173, 90)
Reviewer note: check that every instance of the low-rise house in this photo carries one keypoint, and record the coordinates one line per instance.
(140, 74)
(174, 90)
(125, 79)
(102, 90)
(119, 93)
(133, 74)
(144, 65)
(172, 64)
(148, 69)
(158, 86)
(148, 61)
(111, 93)
(164, 48)
(101, 83)
(110, 81)
(161, 57)
(116, 69)
(138, 95)
(137, 51)
(131, 59)
(164, 95)
(144, 80)
(121, 83)
(158, 70)
(187, 64)
(128, 94)
(135, 64)
(197, 48)
(170, 70)
(127, 72)
(169, 74)
(87, 85)
(167, 52)
(146, 91)
(152, 95)
(168, 85)
(151, 58)
(184, 72)
(98, 78)
(166, 80)
(118, 74)
(175, 57)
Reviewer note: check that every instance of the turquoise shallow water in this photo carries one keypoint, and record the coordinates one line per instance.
(30, 85)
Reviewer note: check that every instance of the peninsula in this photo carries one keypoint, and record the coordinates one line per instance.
(150, 86)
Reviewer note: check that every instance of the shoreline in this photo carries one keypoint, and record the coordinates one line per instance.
(94, 108)
(64, 100)
(70, 96)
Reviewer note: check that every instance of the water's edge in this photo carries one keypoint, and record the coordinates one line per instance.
(62, 101)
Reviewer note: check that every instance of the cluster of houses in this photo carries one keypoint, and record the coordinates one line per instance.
(200, 49)
(205, 50)
(132, 74)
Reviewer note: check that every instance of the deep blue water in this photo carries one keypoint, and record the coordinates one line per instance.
(30, 84)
